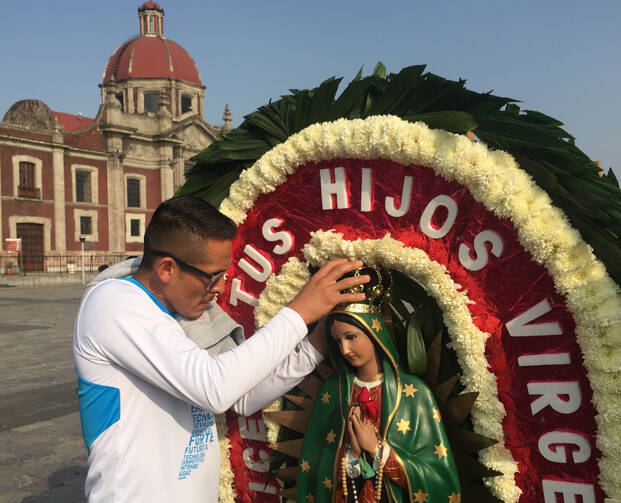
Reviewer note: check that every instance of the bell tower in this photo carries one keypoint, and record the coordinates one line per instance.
(151, 18)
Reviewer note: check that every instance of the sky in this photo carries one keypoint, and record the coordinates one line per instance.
(559, 57)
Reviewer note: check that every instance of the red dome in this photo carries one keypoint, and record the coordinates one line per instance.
(151, 57)
(150, 5)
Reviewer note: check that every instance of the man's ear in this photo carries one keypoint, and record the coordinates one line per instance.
(165, 269)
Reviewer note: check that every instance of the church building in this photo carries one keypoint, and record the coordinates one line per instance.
(68, 180)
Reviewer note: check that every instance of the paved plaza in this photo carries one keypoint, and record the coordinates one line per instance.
(42, 454)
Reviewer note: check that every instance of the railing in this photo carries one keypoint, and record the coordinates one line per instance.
(57, 263)
(29, 192)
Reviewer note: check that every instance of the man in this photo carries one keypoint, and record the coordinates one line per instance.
(148, 393)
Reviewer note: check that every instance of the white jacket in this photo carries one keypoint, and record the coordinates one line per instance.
(148, 393)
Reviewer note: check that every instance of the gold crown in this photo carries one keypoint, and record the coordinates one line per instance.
(376, 291)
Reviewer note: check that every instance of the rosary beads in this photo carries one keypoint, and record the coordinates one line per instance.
(378, 457)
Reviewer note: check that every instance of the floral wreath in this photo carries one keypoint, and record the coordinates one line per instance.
(467, 339)
(493, 179)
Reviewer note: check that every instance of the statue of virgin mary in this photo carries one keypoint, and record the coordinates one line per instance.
(375, 432)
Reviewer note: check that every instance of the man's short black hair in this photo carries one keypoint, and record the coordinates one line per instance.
(179, 226)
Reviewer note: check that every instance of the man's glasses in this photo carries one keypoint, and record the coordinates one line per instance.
(212, 278)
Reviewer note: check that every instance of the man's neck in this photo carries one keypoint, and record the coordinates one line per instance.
(152, 283)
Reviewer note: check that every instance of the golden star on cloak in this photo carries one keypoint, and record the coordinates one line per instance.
(327, 483)
(330, 436)
(325, 397)
(420, 496)
(310, 498)
(403, 426)
(436, 415)
(455, 498)
(304, 466)
(440, 451)
(409, 390)
(376, 325)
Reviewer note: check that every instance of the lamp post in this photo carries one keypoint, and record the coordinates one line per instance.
(82, 239)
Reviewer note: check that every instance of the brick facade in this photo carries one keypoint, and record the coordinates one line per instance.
(78, 171)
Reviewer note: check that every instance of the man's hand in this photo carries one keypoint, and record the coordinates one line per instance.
(323, 292)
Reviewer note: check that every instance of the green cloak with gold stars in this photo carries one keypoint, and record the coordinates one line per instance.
(410, 423)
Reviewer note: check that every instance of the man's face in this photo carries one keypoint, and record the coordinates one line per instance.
(189, 292)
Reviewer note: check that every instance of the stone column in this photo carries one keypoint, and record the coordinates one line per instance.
(131, 106)
(1, 221)
(140, 101)
(174, 108)
(167, 171)
(116, 200)
(179, 168)
(60, 221)
(167, 179)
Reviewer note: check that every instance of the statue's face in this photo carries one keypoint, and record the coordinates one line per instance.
(355, 346)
